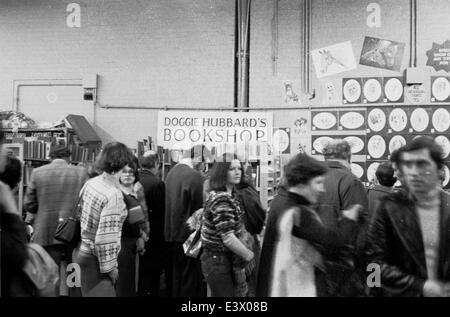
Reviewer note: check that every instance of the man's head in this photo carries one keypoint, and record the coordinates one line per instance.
(60, 152)
(419, 164)
(150, 160)
(338, 150)
(306, 175)
(385, 175)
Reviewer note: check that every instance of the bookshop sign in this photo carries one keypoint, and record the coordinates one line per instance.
(183, 128)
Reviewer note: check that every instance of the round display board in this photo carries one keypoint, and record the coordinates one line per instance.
(352, 90)
(376, 120)
(372, 90)
(376, 146)
(398, 120)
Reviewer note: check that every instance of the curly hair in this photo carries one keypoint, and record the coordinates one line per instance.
(114, 157)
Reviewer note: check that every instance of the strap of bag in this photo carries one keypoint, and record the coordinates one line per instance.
(76, 212)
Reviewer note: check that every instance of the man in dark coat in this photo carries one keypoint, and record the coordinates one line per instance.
(184, 196)
(303, 183)
(13, 281)
(156, 259)
(409, 237)
(342, 191)
(384, 185)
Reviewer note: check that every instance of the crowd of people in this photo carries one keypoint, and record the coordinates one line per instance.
(324, 235)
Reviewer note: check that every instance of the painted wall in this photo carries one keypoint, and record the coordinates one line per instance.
(180, 52)
(147, 53)
(335, 22)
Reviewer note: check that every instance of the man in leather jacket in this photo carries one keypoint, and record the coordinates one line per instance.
(409, 236)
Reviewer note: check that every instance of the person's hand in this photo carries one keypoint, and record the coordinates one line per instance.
(353, 212)
(30, 232)
(249, 256)
(114, 275)
(140, 246)
(433, 288)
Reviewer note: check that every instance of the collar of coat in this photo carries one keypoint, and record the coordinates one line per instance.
(299, 199)
(405, 220)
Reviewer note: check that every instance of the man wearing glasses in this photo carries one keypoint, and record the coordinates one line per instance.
(409, 237)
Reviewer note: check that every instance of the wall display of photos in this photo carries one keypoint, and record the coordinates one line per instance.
(347, 124)
(375, 133)
(440, 89)
(373, 90)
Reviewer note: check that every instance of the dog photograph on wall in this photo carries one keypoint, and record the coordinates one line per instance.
(382, 53)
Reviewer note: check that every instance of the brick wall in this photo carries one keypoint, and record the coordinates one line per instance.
(180, 52)
(147, 53)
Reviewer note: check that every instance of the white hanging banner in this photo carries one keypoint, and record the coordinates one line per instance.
(182, 129)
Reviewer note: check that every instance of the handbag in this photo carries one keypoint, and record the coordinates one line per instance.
(135, 213)
(68, 230)
(193, 244)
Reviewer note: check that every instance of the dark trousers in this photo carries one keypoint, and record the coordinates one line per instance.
(187, 274)
(126, 283)
(93, 282)
(218, 272)
(60, 253)
(155, 261)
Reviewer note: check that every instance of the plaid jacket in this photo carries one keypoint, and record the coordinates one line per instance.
(52, 194)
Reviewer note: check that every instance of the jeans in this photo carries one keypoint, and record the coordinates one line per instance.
(218, 272)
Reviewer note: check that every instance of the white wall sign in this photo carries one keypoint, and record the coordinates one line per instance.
(182, 129)
(416, 93)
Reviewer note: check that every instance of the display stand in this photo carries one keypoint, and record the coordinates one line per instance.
(16, 150)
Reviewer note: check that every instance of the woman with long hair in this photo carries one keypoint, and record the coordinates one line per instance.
(226, 256)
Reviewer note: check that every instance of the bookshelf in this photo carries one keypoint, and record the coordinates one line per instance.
(34, 145)
(16, 150)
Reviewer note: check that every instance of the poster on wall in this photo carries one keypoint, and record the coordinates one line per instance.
(335, 59)
(331, 97)
(440, 89)
(281, 141)
(324, 120)
(394, 89)
(372, 90)
(420, 120)
(301, 132)
(351, 90)
(290, 94)
(352, 120)
(441, 120)
(416, 94)
(382, 53)
(376, 120)
(439, 56)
